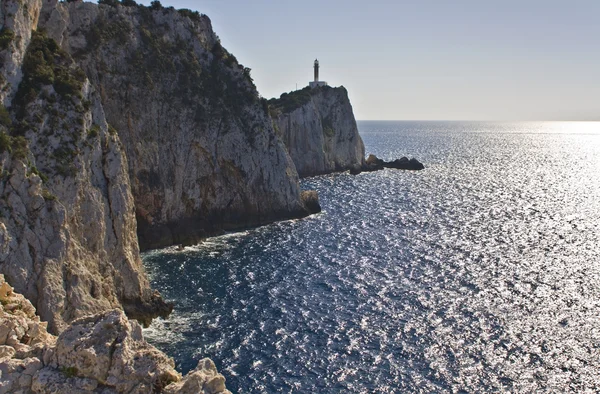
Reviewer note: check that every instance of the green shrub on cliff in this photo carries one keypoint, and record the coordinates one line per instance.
(6, 37)
(46, 64)
(4, 117)
(5, 142)
(112, 3)
(193, 15)
(288, 102)
(155, 5)
(19, 147)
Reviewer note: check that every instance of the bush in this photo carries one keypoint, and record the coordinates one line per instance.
(93, 131)
(288, 102)
(5, 142)
(46, 64)
(34, 170)
(4, 117)
(6, 37)
(193, 15)
(19, 147)
(48, 196)
(112, 3)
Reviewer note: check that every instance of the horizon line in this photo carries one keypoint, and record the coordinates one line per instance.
(476, 120)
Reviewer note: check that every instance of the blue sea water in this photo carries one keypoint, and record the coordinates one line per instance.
(480, 273)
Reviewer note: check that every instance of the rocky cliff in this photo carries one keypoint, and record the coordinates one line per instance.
(319, 130)
(113, 116)
(202, 152)
(67, 230)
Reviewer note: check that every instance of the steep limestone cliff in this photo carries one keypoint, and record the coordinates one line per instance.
(202, 151)
(67, 223)
(319, 130)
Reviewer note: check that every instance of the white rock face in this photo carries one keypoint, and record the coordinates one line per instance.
(67, 219)
(201, 148)
(320, 133)
(18, 17)
(103, 353)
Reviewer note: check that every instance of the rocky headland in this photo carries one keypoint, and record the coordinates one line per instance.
(319, 130)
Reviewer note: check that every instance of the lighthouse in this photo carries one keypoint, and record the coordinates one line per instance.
(316, 82)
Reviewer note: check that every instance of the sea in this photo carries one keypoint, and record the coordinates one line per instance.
(480, 273)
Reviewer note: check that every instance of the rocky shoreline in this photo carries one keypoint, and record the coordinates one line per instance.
(103, 353)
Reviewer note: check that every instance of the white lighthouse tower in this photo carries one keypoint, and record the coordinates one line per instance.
(316, 82)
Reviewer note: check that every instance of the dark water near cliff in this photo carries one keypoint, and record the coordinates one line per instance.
(480, 273)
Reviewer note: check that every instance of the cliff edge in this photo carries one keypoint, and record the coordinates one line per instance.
(319, 130)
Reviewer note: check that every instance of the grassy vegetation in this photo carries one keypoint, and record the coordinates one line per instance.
(47, 194)
(69, 372)
(34, 170)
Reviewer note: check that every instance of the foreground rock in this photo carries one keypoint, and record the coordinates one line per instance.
(319, 130)
(102, 353)
(373, 163)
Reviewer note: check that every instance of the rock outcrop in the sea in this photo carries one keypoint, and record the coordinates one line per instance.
(319, 130)
(67, 217)
(102, 353)
(373, 163)
(202, 152)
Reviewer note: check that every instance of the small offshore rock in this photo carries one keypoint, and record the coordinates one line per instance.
(373, 163)
(310, 199)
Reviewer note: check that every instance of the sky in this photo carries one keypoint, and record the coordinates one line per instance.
(425, 59)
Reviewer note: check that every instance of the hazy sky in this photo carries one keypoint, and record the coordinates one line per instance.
(423, 59)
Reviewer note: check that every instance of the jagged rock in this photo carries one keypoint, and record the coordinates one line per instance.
(319, 130)
(110, 349)
(202, 152)
(203, 380)
(102, 353)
